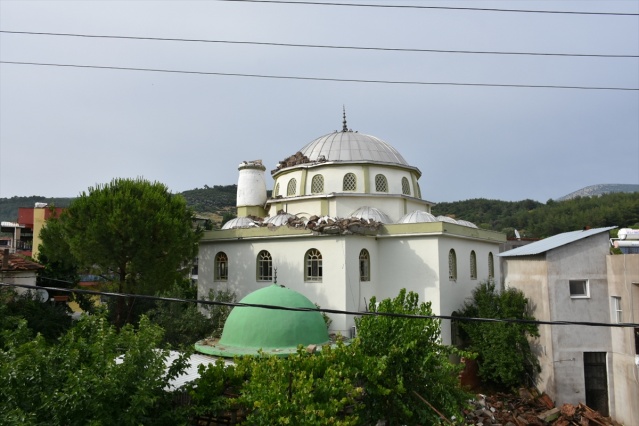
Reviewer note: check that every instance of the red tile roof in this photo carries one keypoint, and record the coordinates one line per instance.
(17, 262)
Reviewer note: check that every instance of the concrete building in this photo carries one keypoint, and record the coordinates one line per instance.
(573, 277)
(346, 221)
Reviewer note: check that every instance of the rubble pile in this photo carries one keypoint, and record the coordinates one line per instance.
(327, 225)
(526, 409)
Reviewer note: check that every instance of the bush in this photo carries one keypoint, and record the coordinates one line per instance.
(504, 355)
(411, 362)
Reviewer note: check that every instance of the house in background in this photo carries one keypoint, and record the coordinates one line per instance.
(346, 222)
(573, 277)
(23, 236)
(17, 269)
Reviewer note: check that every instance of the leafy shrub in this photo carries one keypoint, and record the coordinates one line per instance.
(411, 362)
(505, 357)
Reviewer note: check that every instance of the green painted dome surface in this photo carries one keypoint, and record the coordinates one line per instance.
(249, 329)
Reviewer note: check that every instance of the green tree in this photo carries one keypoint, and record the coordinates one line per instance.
(134, 233)
(505, 357)
(94, 375)
(417, 380)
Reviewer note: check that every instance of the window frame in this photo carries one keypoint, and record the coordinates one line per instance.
(264, 266)
(616, 309)
(317, 181)
(491, 265)
(349, 178)
(586, 286)
(221, 264)
(291, 187)
(452, 265)
(405, 186)
(364, 262)
(473, 265)
(381, 183)
(313, 268)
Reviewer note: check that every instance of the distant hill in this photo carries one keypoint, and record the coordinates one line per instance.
(598, 190)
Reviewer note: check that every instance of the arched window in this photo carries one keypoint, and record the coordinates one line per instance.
(264, 266)
(491, 266)
(452, 265)
(364, 265)
(350, 182)
(221, 267)
(276, 191)
(418, 192)
(317, 184)
(291, 188)
(381, 184)
(405, 186)
(473, 265)
(313, 261)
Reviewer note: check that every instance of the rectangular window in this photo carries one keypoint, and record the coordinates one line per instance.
(579, 289)
(617, 313)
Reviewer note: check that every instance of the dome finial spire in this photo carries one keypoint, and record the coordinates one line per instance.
(344, 127)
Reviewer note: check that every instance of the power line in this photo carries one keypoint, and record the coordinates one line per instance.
(342, 80)
(397, 6)
(330, 311)
(323, 46)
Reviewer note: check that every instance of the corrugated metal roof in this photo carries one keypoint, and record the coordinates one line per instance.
(554, 242)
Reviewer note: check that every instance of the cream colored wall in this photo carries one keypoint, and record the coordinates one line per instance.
(530, 275)
(38, 224)
(623, 271)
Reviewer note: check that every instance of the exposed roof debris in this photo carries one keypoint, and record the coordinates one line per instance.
(530, 409)
(293, 160)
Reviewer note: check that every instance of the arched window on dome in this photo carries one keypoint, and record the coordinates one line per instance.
(405, 186)
(291, 188)
(313, 266)
(452, 265)
(264, 266)
(350, 182)
(276, 191)
(221, 267)
(317, 184)
(364, 265)
(418, 191)
(381, 183)
(473, 265)
(491, 266)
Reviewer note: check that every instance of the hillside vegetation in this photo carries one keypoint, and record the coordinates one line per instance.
(531, 218)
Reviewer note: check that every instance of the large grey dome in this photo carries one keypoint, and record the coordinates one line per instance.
(352, 146)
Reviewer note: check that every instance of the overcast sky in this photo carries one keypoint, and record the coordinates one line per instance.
(65, 129)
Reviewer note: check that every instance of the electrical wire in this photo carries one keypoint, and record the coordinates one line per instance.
(321, 46)
(343, 80)
(329, 311)
(398, 6)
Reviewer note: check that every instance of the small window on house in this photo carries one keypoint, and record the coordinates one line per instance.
(317, 184)
(617, 313)
(276, 191)
(313, 270)
(473, 265)
(364, 265)
(491, 266)
(221, 267)
(452, 265)
(350, 182)
(381, 184)
(264, 266)
(291, 188)
(579, 289)
(405, 186)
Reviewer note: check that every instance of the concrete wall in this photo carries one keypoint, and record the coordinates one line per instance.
(623, 281)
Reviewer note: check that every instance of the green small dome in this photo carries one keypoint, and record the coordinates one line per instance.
(249, 329)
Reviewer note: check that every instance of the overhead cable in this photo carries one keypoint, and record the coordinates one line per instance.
(325, 310)
(400, 6)
(322, 46)
(343, 80)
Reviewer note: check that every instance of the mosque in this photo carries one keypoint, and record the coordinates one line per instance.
(346, 221)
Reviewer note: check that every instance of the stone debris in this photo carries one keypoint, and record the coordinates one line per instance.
(331, 225)
(527, 408)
